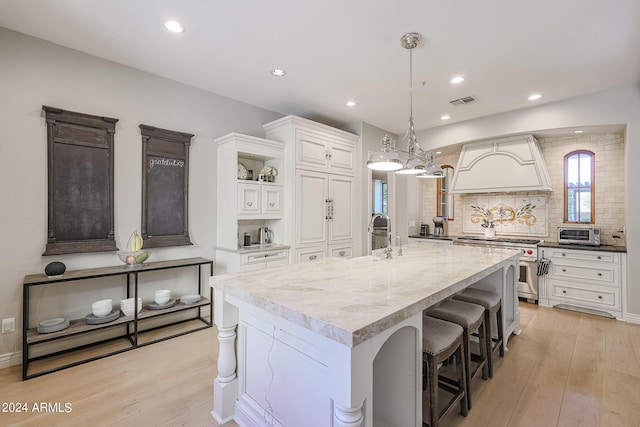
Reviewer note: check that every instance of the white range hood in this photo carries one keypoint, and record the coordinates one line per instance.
(507, 164)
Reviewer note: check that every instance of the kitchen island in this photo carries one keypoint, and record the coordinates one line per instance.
(337, 342)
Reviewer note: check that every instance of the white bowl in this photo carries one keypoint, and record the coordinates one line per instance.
(162, 296)
(102, 308)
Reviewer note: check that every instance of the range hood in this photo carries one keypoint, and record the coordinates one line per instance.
(507, 164)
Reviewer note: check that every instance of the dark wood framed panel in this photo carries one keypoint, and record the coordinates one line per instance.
(165, 187)
(80, 182)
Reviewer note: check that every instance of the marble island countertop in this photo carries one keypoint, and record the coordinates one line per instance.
(350, 300)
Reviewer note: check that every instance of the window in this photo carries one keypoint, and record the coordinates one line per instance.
(380, 197)
(579, 184)
(444, 200)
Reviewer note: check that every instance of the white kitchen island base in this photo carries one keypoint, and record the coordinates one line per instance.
(339, 342)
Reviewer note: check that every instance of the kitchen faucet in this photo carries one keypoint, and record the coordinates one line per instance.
(387, 251)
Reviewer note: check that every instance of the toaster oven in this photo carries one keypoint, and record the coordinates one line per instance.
(579, 235)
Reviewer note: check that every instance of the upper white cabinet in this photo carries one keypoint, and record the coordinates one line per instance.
(499, 165)
(244, 202)
(321, 160)
(319, 152)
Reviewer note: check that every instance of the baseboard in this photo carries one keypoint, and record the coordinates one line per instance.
(632, 318)
(10, 359)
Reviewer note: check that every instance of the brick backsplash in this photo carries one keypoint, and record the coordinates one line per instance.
(609, 183)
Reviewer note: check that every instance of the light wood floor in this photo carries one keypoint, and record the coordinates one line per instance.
(565, 369)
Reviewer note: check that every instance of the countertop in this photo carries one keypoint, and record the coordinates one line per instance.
(604, 248)
(351, 300)
(256, 248)
(434, 237)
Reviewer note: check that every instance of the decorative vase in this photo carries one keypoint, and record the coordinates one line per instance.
(489, 233)
(54, 269)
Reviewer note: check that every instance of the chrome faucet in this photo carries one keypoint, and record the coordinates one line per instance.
(387, 251)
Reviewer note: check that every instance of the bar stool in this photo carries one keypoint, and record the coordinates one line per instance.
(471, 318)
(441, 340)
(492, 306)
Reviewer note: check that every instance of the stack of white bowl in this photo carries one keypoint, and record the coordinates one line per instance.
(162, 296)
(127, 306)
(190, 299)
(102, 308)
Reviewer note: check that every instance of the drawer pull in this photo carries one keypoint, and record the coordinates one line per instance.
(341, 253)
(249, 204)
(312, 257)
(564, 270)
(564, 254)
(599, 257)
(272, 204)
(600, 296)
(564, 292)
(599, 274)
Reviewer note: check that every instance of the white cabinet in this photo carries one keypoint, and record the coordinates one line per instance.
(585, 279)
(263, 259)
(259, 199)
(317, 151)
(324, 200)
(246, 205)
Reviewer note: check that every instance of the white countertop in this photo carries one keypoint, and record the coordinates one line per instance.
(350, 300)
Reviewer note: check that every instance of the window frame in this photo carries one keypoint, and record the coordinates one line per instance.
(447, 193)
(592, 186)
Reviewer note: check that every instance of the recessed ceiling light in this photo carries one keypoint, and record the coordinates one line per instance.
(351, 104)
(445, 117)
(278, 72)
(534, 97)
(457, 80)
(173, 26)
(578, 131)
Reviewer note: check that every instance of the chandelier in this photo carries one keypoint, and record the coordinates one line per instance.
(390, 157)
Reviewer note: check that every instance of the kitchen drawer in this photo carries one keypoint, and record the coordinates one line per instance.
(590, 297)
(310, 254)
(559, 254)
(595, 273)
(342, 251)
(266, 256)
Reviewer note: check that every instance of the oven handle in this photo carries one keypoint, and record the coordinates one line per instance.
(543, 266)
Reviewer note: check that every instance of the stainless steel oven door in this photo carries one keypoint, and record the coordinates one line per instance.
(528, 280)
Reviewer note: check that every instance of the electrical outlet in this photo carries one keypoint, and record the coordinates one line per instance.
(8, 325)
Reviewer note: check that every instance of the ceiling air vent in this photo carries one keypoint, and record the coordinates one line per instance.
(463, 101)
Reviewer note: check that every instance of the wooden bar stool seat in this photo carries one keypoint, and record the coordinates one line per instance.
(441, 340)
(492, 307)
(471, 318)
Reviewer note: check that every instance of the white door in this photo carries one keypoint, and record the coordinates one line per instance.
(341, 158)
(248, 199)
(271, 195)
(311, 150)
(341, 196)
(312, 207)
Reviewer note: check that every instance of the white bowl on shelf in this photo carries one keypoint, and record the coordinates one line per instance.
(102, 308)
(162, 296)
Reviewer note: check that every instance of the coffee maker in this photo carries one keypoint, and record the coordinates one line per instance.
(440, 225)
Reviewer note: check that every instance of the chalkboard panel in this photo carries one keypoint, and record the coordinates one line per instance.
(80, 182)
(165, 187)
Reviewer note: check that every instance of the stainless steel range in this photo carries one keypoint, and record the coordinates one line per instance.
(528, 279)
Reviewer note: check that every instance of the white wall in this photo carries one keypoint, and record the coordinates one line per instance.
(36, 73)
(615, 106)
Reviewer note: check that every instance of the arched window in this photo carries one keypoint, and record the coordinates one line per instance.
(444, 199)
(579, 185)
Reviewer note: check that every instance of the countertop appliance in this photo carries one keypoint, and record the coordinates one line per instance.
(440, 224)
(527, 277)
(579, 234)
(265, 235)
(424, 229)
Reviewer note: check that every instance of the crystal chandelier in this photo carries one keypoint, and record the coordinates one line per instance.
(417, 162)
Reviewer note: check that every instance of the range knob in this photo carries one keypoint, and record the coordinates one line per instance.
(529, 251)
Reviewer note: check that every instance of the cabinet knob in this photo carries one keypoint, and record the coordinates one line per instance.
(599, 274)
(599, 296)
(599, 257)
(564, 292)
(249, 204)
(272, 204)
(564, 254)
(564, 270)
(341, 253)
(312, 257)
